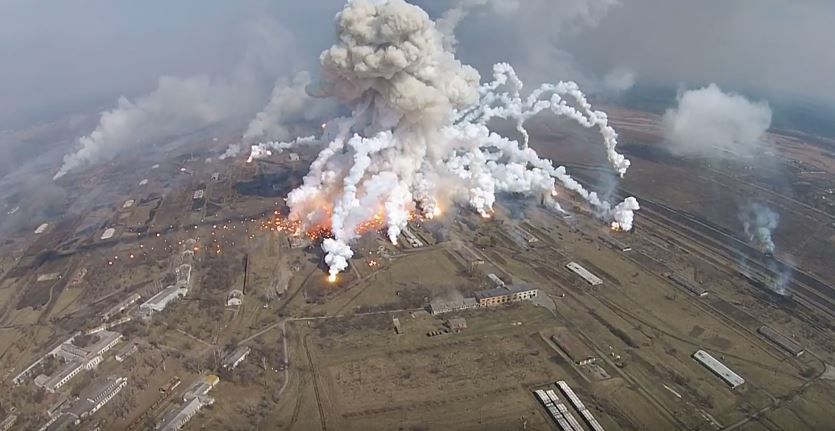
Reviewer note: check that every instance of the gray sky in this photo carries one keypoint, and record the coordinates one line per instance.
(60, 56)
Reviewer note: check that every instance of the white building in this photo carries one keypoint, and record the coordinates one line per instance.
(496, 280)
(584, 273)
(61, 377)
(235, 358)
(195, 398)
(95, 397)
(731, 378)
(441, 305)
(178, 417)
(183, 275)
(108, 233)
(201, 387)
(234, 298)
(161, 300)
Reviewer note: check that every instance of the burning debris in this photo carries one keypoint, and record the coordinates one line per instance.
(418, 137)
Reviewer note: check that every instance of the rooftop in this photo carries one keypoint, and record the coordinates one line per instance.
(501, 291)
(718, 368)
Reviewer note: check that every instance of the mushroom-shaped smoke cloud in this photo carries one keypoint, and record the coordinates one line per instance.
(419, 119)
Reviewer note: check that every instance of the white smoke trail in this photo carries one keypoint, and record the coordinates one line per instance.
(421, 123)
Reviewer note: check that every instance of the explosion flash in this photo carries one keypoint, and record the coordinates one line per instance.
(418, 138)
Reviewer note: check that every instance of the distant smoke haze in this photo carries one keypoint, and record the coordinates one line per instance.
(710, 122)
(289, 106)
(619, 79)
(181, 105)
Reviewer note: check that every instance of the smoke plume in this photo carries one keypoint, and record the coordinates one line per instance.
(710, 122)
(182, 105)
(289, 107)
(758, 223)
(419, 135)
(177, 106)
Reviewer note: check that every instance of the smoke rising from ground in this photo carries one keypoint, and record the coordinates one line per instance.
(289, 107)
(420, 135)
(758, 224)
(710, 122)
(182, 105)
(178, 105)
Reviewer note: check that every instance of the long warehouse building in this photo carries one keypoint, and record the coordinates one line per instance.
(552, 410)
(731, 378)
(584, 273)
(564, 411)
(781, 340)
(587, 416)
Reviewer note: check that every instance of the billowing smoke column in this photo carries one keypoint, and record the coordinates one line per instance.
(758, 221)
(419, 123)
(178, 105)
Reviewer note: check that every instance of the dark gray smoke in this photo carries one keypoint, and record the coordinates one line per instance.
(38, 200)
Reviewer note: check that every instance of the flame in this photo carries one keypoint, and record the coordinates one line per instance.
(332, 278)
(616, 227)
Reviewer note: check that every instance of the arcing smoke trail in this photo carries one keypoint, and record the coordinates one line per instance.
(420, 128)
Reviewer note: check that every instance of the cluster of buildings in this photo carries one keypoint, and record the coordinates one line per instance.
(9, 420)
(91, 400)
(76, 359)
(560, 413)
(195, 397)
(411, 238)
